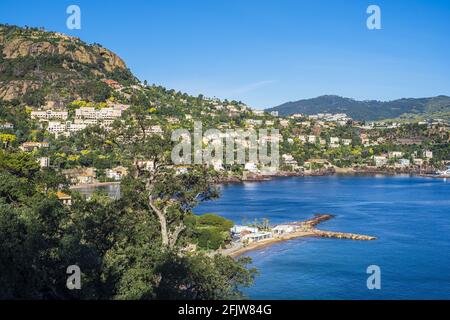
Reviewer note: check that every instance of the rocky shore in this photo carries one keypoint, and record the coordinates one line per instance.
(255, 177)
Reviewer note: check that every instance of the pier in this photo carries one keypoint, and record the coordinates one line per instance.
(342, 235)
(309, 226)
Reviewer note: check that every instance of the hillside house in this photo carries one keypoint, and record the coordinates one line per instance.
(32, 146)
(64, 198)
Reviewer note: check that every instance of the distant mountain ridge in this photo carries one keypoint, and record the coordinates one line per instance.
(370, 110)
(38, 66)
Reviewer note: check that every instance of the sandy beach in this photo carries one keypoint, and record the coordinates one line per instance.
(261, 244)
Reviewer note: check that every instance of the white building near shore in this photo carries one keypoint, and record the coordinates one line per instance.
(283, 229)
(238, 229)
(49, 114)
(258, 236)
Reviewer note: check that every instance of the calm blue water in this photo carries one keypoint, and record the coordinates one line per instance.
(409, 215)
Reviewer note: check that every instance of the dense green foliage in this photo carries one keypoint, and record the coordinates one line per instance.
(210, 231)
(116, 243)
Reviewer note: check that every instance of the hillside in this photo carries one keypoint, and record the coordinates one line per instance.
(37, 66)
(435, 107)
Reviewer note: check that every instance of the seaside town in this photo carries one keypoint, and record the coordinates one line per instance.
(75, 121)
(309, 144)
(319, 144)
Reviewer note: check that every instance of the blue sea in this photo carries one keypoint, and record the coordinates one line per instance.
(409, 215)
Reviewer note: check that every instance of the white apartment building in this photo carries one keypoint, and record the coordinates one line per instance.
(56, 127)
(75, 127)
(65, 127)
(88, 122)
(49, 114)
(98, 114)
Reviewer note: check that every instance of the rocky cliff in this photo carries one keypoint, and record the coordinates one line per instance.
(37, 66)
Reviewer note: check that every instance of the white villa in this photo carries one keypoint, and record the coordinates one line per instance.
(334, 142)
(44, 162)
(346, 142)
(116, 173)
(274, 113)
(251, 166)
(428, 154)
(258, 236)
(395, 154)
(283, 229)
(312, 139)
(238, 229)
(98, 114)
(380, 161)
(403, 163)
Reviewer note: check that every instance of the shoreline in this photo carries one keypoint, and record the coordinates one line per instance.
(261, 178)
(266, 243)
(341, 171)
(93, 185)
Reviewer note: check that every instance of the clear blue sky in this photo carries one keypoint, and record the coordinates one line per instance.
(265, 52)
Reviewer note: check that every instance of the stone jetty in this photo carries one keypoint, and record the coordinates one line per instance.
(342, 235)
(309, 226)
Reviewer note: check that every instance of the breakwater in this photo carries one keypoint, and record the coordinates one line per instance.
(309, 226)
